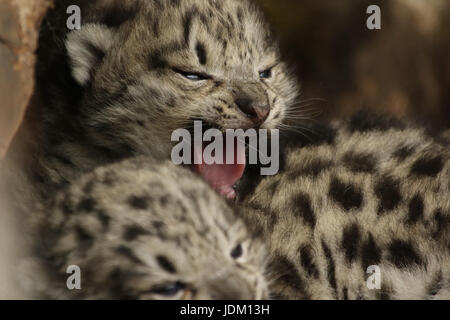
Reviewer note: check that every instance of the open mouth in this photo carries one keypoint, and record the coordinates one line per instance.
(221, 176)
(228, 167)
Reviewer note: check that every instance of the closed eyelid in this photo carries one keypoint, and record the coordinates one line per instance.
(185, 72)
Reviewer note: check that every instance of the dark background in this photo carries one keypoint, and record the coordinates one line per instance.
(403, 69)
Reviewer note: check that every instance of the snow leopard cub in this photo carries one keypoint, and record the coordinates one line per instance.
(371, 191)
(143, 229)
(139, 69)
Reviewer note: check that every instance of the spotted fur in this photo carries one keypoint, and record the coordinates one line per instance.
(144, 229)
(352, 194)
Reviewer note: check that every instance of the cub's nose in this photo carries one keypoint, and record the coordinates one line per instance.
(257, 112)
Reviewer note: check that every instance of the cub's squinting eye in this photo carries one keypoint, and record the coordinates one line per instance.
(236, 252)
(193, 76)
(266, 74)
(170, 289)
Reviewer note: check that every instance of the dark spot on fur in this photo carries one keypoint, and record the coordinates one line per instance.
(359, 162)
(350, 242)
(140, 203)
(128, 253)
(86, 205)
(226, 103)
(109, 178)
(442, 223)
(239, 13)
(366, 121)
(155, 28)
(307, 262)
(322, 134)
(164, 200)
(371, 254)
(331, 268)
(277, 115)
(157, 61)
(415, 209)
(66, 206)
(95, 51)
(166, 264)
(117, 280)
(116, 15)
(345, 293)
(301, 204)
(182, 207)
(204, 19)
(175, 3)
(272, 187)
(85, 239)
(347, 195)
(403, 254)
(224, 45)
(388, 192)
(133, 232)
(427, 166)
(436, 285)
(104, 218)
(88, 187)
(158, 224)
(201, 53)
(404, 152)
(287, 278)
(218, 109)
(241, 39)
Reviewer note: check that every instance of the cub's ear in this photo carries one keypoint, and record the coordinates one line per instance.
(86, 48)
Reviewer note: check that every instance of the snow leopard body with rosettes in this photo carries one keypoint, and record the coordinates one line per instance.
(359, 210)
(372, 193)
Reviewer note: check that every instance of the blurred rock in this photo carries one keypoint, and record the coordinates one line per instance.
(19, 23)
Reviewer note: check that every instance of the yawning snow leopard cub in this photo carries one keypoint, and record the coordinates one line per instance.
(143, 229)
(370, 191)
(138, 69)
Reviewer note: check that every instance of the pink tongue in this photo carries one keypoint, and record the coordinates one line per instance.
(222, 177)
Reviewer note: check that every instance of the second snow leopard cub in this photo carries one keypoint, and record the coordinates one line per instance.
(143, 229)
(139, 69)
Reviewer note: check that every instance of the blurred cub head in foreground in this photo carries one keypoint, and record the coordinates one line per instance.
(143, 230)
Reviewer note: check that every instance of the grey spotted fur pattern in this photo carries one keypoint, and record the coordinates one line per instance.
(368, 191)
(144, 229)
